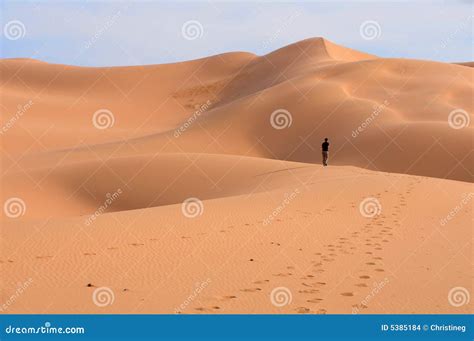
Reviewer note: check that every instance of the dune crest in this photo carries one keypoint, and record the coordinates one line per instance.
(354, 98)
(150, 180)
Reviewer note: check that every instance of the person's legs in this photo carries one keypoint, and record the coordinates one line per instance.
(325, 158)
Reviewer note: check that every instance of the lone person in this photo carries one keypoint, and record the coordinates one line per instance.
(325, 147)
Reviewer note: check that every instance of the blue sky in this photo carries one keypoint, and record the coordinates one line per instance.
(105, 33)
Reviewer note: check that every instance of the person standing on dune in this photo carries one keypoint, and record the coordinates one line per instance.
(325, 147)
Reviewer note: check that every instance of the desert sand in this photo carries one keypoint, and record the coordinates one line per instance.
(196, 187)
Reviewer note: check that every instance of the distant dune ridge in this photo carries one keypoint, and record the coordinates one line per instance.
(328, 89)
(97, 163)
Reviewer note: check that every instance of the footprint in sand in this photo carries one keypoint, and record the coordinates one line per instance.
(226, 298)
(380, 270)
(314, 300)
(362, 306)
(364, 277)
(251, 290)
(362, 285)
(347, 294)
(281, 274)
(308, 291)
(302, 310)
(262, 281)
(137, 244)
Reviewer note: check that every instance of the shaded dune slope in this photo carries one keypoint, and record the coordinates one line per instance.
(223, 105)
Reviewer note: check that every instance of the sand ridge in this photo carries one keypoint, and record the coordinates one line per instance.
(173, 189)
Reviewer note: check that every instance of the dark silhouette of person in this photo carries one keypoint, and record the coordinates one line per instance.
(325, 148)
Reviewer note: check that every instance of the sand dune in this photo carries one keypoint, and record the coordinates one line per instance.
(156, 181)
(470, 64)
(241, 247)
(376, 111)
(145, 180)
